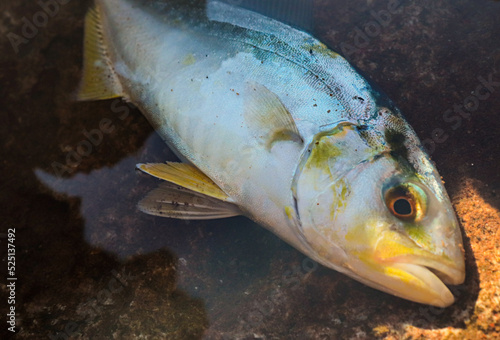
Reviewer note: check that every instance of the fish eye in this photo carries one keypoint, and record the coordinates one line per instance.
(406, 201)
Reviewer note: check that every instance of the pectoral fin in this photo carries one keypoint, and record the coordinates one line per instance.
(99, 79)
(266, 114)
(170, 200)
(186, 176)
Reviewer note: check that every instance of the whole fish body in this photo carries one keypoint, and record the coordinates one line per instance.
(273, 125)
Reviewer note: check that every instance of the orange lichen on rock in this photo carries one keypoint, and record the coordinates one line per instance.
(475, 206)
(482, 225)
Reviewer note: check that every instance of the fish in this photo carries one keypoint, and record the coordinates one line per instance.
(271, 124)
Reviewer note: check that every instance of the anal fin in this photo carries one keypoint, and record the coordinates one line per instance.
(99, 80)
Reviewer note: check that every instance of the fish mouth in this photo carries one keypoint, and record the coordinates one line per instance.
(426, 283)
(406, 270)
(415, 282)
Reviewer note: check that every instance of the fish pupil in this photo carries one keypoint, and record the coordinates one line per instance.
(402, 207)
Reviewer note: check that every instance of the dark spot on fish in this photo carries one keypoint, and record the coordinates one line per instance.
(328, 111)
(311, 51)
(362, 127)
(315, 105)
(361, 99)
(396, 141)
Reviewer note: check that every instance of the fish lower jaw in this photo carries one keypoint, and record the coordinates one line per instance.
(424, 286)
(414, 282)
(422, 276)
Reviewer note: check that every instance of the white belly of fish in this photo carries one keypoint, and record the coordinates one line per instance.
(201, 111)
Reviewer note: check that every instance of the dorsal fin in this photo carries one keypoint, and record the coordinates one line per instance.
(99, 81)
(297, 13)
(266, 113)
(187, 176)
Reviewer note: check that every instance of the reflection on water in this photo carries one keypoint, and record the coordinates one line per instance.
(90, 262)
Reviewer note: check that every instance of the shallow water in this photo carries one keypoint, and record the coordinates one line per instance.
(89, 263)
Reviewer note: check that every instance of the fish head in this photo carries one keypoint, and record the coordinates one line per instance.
(379, 218)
